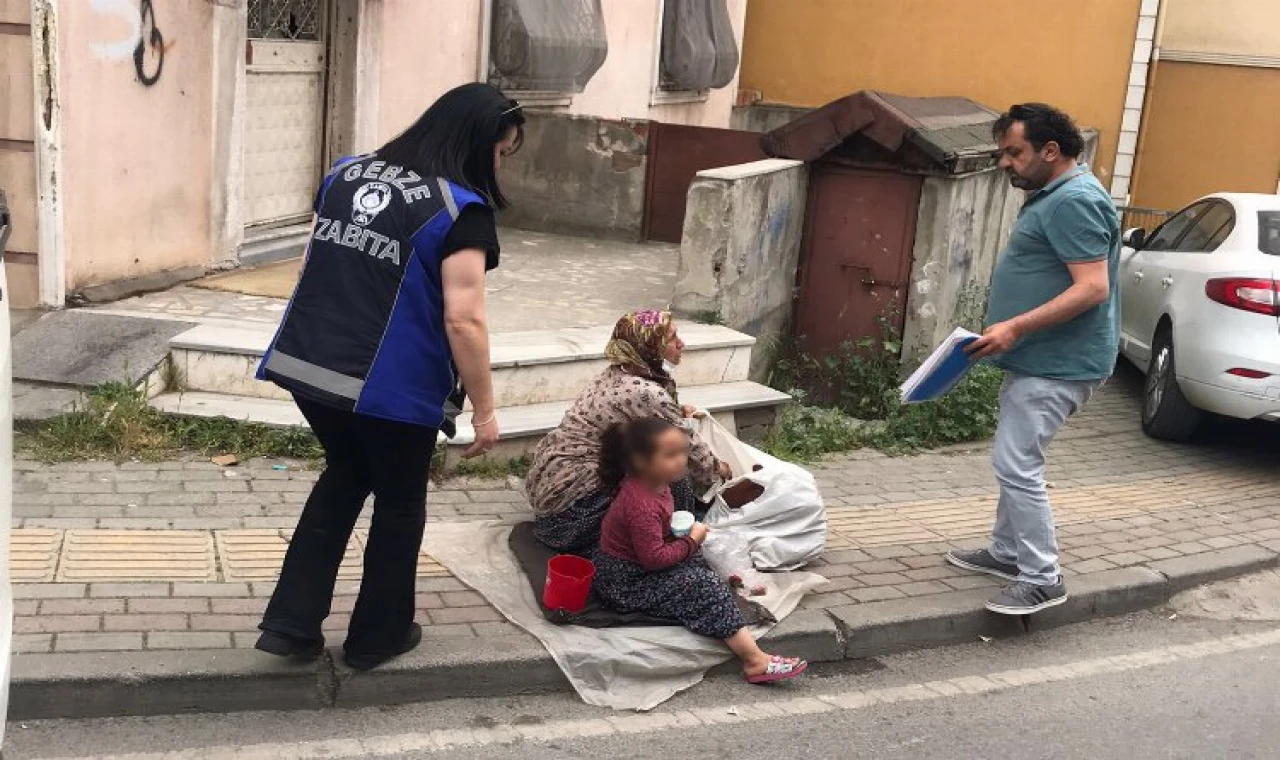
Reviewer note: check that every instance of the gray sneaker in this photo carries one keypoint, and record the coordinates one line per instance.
(1023, 598)
(981, 561)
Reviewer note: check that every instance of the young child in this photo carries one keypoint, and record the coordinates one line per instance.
(641, 567)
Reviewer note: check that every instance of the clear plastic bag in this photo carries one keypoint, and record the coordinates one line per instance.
(729, 555)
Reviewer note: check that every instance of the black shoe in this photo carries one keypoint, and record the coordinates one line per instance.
(1023, 598)
(287, 646)
(981, 561)
(370, 661)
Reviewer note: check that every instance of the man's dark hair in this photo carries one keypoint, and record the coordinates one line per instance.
(1042, 124)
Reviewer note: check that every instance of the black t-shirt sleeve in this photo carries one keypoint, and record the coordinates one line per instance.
(475, 227)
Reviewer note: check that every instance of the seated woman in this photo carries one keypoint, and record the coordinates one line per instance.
(642, 567)
(563, 484)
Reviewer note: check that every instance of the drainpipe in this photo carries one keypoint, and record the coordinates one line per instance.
(486, 29)
(1149, 90)
(51, 247)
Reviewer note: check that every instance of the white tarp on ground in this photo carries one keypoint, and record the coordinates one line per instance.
(626, 668)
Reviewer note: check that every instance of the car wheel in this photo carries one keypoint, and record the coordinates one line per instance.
(1166, 413)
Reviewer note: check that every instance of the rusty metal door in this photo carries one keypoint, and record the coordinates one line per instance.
(676, 154)
(856, 257)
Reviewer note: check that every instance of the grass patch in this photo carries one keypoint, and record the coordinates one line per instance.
(850, 399)
(490, 469)
(114, 422)
(803, 433)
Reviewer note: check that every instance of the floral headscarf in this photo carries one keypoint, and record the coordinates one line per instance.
(638, 344)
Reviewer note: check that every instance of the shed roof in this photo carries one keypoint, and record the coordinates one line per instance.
(953, 134)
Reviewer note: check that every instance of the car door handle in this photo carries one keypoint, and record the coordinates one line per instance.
(1138, 276)
(1167, 282)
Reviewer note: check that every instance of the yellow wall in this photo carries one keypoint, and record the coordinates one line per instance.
(1207, 129)
(998, 52)
(1238, 27)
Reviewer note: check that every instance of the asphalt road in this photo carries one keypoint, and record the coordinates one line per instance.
(1199, 680)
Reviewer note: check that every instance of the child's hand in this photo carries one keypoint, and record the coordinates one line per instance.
(698, 533)
(724, 471)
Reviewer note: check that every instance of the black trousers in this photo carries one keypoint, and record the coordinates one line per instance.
(363, 455)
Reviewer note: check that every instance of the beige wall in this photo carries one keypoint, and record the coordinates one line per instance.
(1208, 129)
(623, 88)
(425, 53)
(1210, 123)
(137, 159)
(1075, 55)
(1233, 27)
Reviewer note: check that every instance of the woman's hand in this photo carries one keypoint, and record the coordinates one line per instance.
(690, 412)
(486, 436)
(724, 471)
(698, 533)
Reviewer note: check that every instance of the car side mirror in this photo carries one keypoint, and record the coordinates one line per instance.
(1135, 238)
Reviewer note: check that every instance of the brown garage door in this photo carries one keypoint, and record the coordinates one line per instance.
(676, 154)
(856, 258)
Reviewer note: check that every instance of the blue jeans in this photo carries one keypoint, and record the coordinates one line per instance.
(1032, 411)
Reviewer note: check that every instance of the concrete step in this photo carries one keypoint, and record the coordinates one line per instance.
(534, 367)
(740, 406)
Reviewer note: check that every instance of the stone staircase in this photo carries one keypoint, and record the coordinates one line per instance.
(537, 374)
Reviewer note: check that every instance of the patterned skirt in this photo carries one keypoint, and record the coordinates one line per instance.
(576, 530)
(689, 592)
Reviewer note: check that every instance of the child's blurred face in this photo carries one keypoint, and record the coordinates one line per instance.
(670, 456)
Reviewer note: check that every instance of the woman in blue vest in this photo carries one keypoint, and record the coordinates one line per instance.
(385, 328)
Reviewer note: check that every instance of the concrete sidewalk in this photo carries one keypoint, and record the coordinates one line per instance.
(157, 574)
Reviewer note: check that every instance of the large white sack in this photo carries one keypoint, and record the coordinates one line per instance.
(786, 526)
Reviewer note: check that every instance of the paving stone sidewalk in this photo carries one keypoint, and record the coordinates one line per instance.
(183, 554)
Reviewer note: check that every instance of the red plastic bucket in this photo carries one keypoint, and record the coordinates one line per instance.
(568, 583)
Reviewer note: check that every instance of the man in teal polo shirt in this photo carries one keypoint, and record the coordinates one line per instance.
(1053, 327)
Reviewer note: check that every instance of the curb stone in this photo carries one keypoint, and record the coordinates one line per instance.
(157, 683)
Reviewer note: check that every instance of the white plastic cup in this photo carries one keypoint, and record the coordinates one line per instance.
(681, 523)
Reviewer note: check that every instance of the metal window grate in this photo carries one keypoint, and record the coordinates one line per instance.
(285, 19)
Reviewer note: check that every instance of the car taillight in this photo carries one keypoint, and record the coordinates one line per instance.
(1249, 374)
(1260, 296)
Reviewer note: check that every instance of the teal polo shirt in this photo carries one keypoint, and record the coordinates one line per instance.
(1071, 220)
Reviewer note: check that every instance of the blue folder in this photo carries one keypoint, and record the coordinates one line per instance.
(947, 366)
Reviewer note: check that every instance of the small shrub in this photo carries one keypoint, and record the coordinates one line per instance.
(804, 433)
(860, 380)
(967, 413)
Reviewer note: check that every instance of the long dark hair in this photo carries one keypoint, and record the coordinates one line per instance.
(454, 139)
(622, 443)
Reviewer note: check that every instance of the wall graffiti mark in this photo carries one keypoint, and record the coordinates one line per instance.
(144, 42)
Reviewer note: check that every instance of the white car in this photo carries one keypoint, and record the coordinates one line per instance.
(1200, 313)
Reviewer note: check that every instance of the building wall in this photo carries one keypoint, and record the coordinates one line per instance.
(578, 175)
(741, 248)
(1185, 153)
(17, 151)
(137, 158)
(1210, 123)
(1232, 27)
(962, 225)
(997, 52)
(425, 53)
